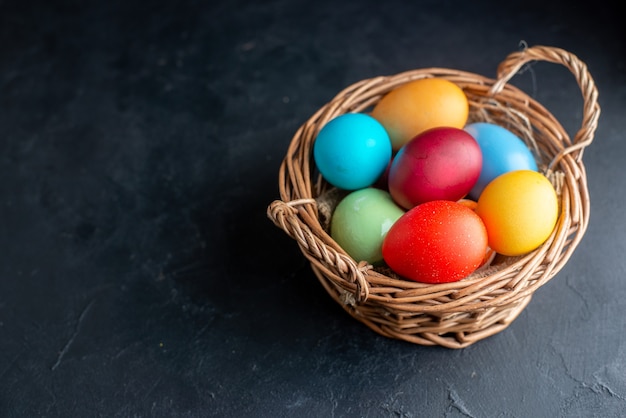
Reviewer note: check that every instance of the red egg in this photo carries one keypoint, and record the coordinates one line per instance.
(441, 163)
(436, 242)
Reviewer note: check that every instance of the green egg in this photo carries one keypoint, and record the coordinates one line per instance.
(361, 221)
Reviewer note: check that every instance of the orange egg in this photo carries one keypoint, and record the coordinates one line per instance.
(469, 203)
(520, 210)
(416, 106)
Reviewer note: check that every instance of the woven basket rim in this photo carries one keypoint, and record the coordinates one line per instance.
(506, 286)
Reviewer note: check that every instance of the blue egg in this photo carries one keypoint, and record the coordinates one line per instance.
(352, 151)
(502, 150)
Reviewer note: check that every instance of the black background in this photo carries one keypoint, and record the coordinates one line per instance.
(140, 277)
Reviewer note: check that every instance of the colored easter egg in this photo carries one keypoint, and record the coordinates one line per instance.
(441, 163)
(419, 105)
(352, 151)
(502, 151)
(361, 221)
(436, 242)
(520, 210)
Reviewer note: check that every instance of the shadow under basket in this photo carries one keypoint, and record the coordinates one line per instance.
(457, 314)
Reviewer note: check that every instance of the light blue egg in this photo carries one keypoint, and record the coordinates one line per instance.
(352, 151)
(502, 151)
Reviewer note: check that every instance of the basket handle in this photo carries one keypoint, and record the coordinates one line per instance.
(286, 215)
(591, 109)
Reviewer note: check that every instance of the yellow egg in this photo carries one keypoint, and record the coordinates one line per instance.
(416, 106)
(520, 210)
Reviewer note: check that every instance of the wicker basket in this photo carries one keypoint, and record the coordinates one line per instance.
(458, 314)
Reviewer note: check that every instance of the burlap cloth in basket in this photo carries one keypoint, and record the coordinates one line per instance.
(457, 314)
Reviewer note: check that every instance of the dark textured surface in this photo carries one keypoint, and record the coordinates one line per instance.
(139, 275)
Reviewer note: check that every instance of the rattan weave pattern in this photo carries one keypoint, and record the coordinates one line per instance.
(458, 314)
